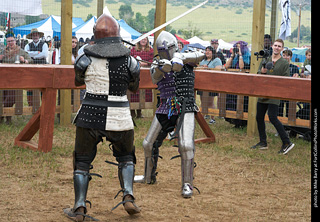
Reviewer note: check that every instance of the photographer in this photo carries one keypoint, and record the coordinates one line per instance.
(273, 65)
(240, 58)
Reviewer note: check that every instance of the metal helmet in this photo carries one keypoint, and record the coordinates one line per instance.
(106, 26)
(167, 45)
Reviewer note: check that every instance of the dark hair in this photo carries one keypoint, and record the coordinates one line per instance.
(213, 52)
(288, 52)
(267, 36)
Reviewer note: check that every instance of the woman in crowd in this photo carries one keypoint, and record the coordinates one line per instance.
(210, 61)
(240, 58)
(142, 51)
(12, 54)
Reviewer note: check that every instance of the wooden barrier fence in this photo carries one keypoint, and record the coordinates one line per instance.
(49, 78)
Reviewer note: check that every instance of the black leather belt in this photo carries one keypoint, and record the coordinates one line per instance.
(105, 103)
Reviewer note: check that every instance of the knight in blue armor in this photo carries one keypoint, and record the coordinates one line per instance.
(107, 70)
(173, 73)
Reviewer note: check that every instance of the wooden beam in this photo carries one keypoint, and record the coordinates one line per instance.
(99, 8)
(258, 20)
(66, 49)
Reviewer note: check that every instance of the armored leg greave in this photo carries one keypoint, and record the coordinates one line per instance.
(187, 149)
(81, 182)
(187, 177)
(126, 174)
(151, 153)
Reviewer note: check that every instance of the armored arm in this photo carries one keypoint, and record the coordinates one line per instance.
(80, 67)
(134, 68)
(158, 69)
(191, 57)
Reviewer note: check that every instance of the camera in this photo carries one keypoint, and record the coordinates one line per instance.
(235, 50)
(262, 54)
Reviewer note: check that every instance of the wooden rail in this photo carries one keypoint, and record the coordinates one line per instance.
(49, 78)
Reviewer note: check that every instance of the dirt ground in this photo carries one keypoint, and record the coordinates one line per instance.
(36, 187)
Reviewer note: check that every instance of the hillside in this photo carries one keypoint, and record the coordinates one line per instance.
(230, 20)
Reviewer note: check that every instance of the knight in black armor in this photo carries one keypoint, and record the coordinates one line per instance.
(173, 73)
(108, 71)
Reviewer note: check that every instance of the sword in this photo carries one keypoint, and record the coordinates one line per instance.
(135, 41)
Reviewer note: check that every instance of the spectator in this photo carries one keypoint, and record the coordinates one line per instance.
(240, 58)
(38, 51)
(215, 46)
(56, 50)
(211, 61)
(276, 65)
(268, 43)
(180, 45)
(11, 54)
(142, 51)
(75, 48)
(294, 72)
(88, 42)
(304, 111)
(306, 70)
(81, 42)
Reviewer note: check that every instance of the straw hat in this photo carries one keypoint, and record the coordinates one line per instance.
(35, 30)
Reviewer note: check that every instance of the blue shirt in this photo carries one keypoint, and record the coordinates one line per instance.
(211, 63)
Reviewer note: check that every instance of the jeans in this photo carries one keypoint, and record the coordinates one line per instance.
(272, 113)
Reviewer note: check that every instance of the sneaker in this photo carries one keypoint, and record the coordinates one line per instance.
(206, 116)
(286, 148)
(212, 121)
(260, 146)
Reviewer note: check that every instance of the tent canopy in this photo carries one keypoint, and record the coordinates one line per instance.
(299, 54)
(50, 26)
(185, 42)
(86, 30)
(196, 39)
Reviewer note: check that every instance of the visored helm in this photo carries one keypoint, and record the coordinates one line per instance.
(167, 45)
(106, 26)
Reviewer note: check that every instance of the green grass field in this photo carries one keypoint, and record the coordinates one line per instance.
(213, 22)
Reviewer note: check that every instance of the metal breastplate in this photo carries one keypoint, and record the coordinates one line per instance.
(185, 87)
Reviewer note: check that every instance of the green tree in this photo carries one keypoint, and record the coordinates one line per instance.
(89, 16)
(126, 13)
(191, 31)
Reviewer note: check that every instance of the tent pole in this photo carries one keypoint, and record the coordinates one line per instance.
(258, 20)
(66, 49)
(99, 8)
(160, 18)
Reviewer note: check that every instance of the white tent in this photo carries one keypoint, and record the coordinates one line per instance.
(224, 45)
(196, 39)
(86, 30)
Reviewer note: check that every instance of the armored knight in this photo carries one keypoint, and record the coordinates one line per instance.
(173, 73)
(108, 71)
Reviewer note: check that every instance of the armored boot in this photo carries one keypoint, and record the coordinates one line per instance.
(151, 163)
(126, 174)
(187, 177)
(81, 183)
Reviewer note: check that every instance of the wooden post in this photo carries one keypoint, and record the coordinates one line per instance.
(274, 19)
(160, 18)
(66, 49)
(258, 20)
(99, 8)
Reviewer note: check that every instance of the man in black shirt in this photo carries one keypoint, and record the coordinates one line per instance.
(215, 45)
